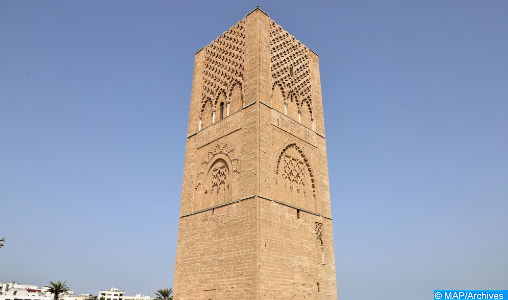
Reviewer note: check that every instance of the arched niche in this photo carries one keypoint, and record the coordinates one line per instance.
(206, 114)
(306, 115)
(292, 107)
(235, 99)
(294, 178)
(221, 107)
(278, 98)
(218, 181)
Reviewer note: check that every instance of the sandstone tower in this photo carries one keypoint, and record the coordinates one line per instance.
(255, 217)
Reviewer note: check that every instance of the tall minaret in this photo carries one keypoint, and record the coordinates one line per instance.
(255, 216)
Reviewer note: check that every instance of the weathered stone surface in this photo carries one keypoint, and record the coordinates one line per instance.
(255, 219)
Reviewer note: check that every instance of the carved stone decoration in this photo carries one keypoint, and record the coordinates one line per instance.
(319, 235)
(219, 174)
(292, 164)
(217, 177)
(293, 172)
(217, 185)
(224, 65)
(290, 67)
(294, 179)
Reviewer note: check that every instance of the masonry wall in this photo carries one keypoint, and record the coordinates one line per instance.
(216, 253)
(293, 262)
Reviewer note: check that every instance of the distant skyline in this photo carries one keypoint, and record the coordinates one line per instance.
(94, 103)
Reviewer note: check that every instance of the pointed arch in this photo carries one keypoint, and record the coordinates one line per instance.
(220, 104)
(292, 106)
(306, 114)
(235, 96)
(294, 177)
(206, 114)
(218, 182)
(278, 98)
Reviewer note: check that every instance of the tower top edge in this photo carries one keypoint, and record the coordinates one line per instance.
(257, 9)
(307, 48)
(243, 21)
(204, 48)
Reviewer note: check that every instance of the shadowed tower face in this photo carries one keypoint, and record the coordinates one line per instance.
(255, 217)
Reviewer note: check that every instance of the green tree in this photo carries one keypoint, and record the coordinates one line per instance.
(93, 298)
(102, 298)
(164, 294)
(57, 288)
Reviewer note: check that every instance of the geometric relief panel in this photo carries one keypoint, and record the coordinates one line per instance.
(217, 179)
(294, 179)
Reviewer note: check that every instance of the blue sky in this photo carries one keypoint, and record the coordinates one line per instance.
(94, 102)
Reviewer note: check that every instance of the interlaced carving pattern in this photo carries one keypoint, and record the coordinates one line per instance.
(305, 162)
(293, 172)
(223, 148)
(224, 63)
(219, 176)
(287, 52)
(319, 234)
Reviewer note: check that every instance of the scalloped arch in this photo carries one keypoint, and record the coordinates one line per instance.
(305, 159)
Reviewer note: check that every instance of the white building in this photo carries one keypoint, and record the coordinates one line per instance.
(138, 297)
(111, 294)
(116, 294)
(16, 291)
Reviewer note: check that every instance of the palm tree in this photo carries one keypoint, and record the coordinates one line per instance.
(57, 288)
(164, 294)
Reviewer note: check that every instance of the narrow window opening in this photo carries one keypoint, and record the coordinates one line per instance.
(323, 255)
(318, 287)
(221, 116)
(291, 71)
(213, 211)
(291, 97)
(298, 214)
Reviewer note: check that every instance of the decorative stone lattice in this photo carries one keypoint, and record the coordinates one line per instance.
(319, 234)
(293, 172)
(290, 66)
(219, 175)
(224, 64)
(293, 168)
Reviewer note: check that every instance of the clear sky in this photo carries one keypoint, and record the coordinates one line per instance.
(94, 102)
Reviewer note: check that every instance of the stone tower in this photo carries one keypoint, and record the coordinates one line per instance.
(255, 217)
